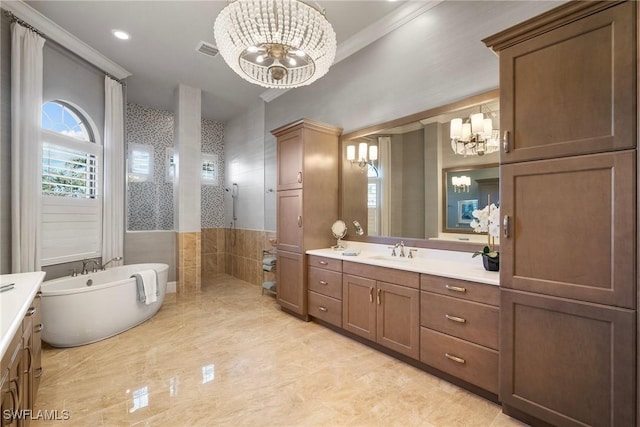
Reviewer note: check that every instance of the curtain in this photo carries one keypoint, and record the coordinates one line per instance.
(384, 162)
(114, 186)
(26, 150)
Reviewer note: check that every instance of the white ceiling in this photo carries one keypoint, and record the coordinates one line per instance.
(164, 34)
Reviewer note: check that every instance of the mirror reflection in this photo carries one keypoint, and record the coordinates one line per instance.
(398, 177)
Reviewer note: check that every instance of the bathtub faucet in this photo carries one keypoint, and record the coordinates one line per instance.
(86, 262)
(104, 266)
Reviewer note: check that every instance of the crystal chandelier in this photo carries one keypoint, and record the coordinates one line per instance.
(476, 137)
(275, 43)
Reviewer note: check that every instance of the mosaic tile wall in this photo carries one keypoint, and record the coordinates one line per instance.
(150, 204)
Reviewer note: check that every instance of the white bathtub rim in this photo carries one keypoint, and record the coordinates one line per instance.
(159, 267)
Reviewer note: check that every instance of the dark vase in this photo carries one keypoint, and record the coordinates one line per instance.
(491, 264)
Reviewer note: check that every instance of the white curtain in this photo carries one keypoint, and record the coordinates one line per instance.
(384, 162)
(26, 151)
(114, 186)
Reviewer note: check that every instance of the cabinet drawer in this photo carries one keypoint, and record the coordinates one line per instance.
(478, 292)
(325, 308)
(325, 282)
(468, 320)
(383, 274)
(470, 362)
(326, 263)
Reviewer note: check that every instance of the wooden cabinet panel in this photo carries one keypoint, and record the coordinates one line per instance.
(325, 308)
(290, 221)
(290, 158)
(325, 282)
(398, 308)
(572, 227)
(468, 320)
(359, 308)
(479, 292)
(470, 362)
(325, 263)
(290, 283)
(400, 277)
(577, 87)
(36, 347)
(567, 363)
(11, 379)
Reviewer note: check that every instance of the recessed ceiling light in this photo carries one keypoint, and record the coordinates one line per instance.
(120, 34)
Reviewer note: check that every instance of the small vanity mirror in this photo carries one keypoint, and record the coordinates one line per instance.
(339, 230)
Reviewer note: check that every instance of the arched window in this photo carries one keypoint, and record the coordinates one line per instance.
(71, 185)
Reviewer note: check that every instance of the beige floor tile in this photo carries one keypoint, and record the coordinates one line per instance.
(228, 356)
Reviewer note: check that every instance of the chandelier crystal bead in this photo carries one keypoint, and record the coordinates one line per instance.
(275, 43)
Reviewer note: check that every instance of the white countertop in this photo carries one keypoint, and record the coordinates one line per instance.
(453, 264)
(15, 302)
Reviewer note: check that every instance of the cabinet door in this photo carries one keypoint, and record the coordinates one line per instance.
(572, 228)
(290, 160)
(567, 363)
(358, 306)
(290, 284)
(571, 90)
(8, 401)
(36, 345)
(398, 322)
(290, 221)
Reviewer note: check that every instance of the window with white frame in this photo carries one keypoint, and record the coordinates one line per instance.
(71, 183)
(140, 159)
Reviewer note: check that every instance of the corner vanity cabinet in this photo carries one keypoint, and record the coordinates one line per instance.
(307, 203)
(568, 273)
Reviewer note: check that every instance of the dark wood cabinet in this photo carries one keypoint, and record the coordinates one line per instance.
(386, 313)
(569, 262)
(307, 203)
(568, 82)
(567, 362)
(571, 222)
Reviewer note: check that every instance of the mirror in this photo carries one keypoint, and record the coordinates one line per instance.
(396, 176)
(339, 230)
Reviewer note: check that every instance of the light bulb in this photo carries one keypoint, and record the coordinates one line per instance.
(362, 151)
(373, 153)
(351, 152)
(477, 124)
(455, 129)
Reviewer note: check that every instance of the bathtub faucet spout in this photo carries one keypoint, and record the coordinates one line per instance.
(86, 262)
(104, 266)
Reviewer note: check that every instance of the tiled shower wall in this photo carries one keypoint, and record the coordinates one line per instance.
(150, 204)
(237, 252)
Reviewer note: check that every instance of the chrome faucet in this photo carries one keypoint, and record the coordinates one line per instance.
(104, 266)
(401, 246)
(85, 263)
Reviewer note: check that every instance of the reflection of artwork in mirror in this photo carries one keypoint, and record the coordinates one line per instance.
(465, 208)
(481, 183)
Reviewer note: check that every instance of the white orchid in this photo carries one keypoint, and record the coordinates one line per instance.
(487, 220)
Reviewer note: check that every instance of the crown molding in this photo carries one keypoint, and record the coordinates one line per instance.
(397, 18)
(61, 36)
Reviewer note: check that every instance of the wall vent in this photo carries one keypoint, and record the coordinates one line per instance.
(207, 49)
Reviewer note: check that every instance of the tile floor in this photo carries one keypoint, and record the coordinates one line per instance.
(228, 356)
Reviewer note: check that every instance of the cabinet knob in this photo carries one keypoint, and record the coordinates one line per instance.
(455, 318)
(455, 358)
(31, 311)
(321, 308)
(322, 282)
(38, 373)
(505, 141)
(323, 263)
(38, 328)
(456, 288)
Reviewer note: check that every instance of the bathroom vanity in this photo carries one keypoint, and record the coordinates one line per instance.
(438, 310)
(20, 345)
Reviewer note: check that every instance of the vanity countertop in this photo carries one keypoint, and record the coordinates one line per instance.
(15, 302)
(453, 264)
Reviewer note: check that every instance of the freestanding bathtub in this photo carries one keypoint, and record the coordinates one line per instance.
(88, 308)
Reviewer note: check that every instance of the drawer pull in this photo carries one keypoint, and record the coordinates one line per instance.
(39, 294)
(38, 328)
(505, 141)
(299, 177)
(321, 308)
(323, 263)
(38, 373)
(378, 296)
(454, 358)
(322, 282)
(299, 221)
(455, 288)
(31, 311)
(455, 318)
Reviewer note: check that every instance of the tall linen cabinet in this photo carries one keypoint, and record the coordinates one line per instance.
(568, 182)
(307, 204)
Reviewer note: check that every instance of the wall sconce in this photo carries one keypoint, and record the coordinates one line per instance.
(367, 154)
(461, 184)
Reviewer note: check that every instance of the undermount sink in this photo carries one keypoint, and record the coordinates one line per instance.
(389, 258)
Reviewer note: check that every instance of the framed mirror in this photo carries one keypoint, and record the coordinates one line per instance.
(393, 174)
(465, 189)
